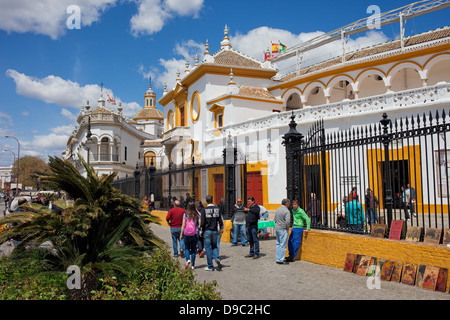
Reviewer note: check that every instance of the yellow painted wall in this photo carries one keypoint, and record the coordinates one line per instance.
(331, 248)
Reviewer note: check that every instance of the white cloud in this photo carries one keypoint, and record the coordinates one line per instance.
(188, 50)
(152, 15)
(48, 17)
(53, 89)
(257, 41)
(185, 8)
(253, 44)
(68, 115)
(65, 93)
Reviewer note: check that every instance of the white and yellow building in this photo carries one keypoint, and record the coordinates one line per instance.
(117, 143)
(231, 94)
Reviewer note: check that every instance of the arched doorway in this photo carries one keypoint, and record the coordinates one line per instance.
(293, 102)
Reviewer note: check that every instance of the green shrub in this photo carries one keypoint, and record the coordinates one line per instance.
(160, 278)
(30, 281)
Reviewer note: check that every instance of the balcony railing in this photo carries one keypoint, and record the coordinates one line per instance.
(387, 101)
(105, 157)
(175, 135)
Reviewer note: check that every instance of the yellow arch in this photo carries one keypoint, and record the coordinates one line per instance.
(169, 117)
(339, 75)
(291, 88)
(195, 94)
(320, 84)
(403, 62)
(436, 55)
(370, 69)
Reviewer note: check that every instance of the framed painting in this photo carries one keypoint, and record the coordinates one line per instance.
(414, 234)
(378, 230)
(397, 272)
(364, 264)
(409, 273)
(372, 266)
(349, 262)
(446, 239)
(380, 264)
(357, 260)
(432, 235)
(430, 278)
(420, 273)
(386, 271)
(397, 230)
(442, 279)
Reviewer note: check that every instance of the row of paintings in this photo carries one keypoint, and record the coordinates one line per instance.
(400, 231)
(423, 276)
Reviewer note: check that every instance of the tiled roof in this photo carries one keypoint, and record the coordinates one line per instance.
(367, 52)
(255, 92)
(234, 58)
(149, 113)
(101, 110)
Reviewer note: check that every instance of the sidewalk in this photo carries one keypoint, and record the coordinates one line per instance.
(262, 279)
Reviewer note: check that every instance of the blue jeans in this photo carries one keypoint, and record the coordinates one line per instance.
(282, 238)
(295, 240)
(372, 215)
(210, 242)
(239, 229)
(176, 232)
(252, 236)
(190, 248)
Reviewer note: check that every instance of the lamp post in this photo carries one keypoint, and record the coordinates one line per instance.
(87, 145)
(13, 155)
(18, 161)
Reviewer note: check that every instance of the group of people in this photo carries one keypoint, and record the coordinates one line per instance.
(196, 229)
(284, 220)
(350, 213)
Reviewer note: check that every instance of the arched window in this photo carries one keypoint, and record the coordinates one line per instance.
(104, 150)
(293, 102)
(149, 155)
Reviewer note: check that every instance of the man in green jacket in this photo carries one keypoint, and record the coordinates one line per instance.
(301, 220)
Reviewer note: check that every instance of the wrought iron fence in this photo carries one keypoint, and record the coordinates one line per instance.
(177, 181)
(396, 169)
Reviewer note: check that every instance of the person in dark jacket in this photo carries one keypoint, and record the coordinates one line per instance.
(210, 219)
(252, 211)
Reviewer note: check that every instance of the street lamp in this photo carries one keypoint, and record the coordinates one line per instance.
(18, 160)
(13, 155)
(89, 142)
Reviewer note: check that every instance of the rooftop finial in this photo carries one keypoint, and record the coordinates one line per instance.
(226, 44)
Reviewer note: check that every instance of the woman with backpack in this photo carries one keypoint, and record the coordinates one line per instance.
(189, 231)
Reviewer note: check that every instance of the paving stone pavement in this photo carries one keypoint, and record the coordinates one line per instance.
(262, 279)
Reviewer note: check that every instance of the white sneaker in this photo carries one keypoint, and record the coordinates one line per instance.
(208, 269)
(187, 264)
(192, 267)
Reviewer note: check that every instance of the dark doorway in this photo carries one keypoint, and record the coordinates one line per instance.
(254, 186)
(398, 170)
(312, 181)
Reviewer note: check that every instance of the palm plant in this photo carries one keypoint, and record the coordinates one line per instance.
(102, 232)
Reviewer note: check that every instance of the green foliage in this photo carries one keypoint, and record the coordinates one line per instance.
(102, 232)
(160, 277)
(25, 281)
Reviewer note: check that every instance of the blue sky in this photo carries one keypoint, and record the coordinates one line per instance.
(47, 71)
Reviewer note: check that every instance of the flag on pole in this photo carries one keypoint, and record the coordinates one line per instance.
(275, 47)
(282, 48)
(111, 100)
